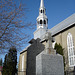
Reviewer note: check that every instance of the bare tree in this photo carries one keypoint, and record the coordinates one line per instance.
(12, 28)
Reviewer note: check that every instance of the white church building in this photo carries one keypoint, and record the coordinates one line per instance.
(63, 33)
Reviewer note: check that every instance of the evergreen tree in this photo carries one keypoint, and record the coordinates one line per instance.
(59, 50)
(4, 72)
(12, 58)
(10, 62)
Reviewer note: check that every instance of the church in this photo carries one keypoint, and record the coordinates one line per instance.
(62, 33)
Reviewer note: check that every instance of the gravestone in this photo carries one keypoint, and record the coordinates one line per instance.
(48, 62)
(35, 48)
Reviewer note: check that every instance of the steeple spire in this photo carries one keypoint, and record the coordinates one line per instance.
(42, 18)
(42, 4)
(42, 22)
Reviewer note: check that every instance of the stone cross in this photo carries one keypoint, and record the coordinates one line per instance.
(48, 48)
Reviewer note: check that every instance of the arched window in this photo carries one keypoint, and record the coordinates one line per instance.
(70, 46)
(44, 22)
(40, 21)
(23, 63)
(41, 11)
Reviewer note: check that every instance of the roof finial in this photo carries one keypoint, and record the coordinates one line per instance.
(42, 4)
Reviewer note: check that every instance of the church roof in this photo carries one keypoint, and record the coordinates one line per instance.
(63, 25)
(25, 49)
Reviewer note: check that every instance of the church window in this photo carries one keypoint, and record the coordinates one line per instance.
(41, 11)
(23, 63)
(44, 22)
(70, 47)
(40, 21)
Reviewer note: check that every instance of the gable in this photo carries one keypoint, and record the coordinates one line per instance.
(63, 25)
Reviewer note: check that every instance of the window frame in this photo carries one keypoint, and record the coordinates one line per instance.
(70, 47)
(41, 22)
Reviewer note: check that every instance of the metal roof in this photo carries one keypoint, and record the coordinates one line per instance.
(25, 49)
(63, 25)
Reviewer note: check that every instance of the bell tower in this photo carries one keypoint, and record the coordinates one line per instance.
(42, 22)
(42, 18)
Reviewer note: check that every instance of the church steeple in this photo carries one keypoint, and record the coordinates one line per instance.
(42, 4)
(42, 18)
(42, 22)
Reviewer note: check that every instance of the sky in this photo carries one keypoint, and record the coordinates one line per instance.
(56, 11)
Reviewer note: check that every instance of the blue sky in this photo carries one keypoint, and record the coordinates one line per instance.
(56, 11)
